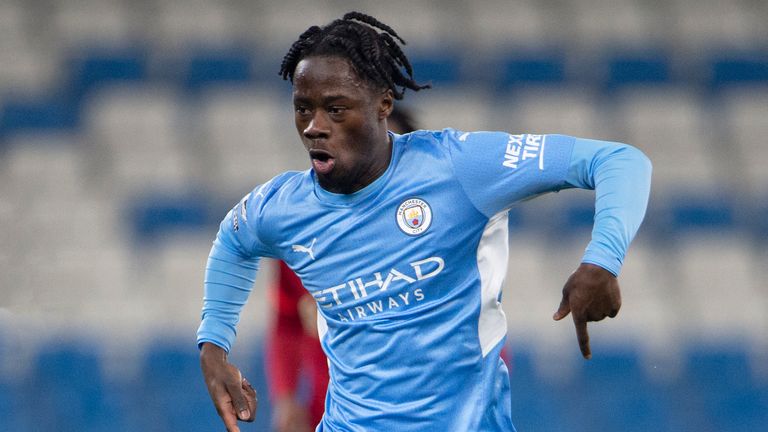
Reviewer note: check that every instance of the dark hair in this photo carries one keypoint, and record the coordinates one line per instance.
(375, 56)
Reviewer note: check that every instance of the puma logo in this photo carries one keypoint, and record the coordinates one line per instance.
(305, 249)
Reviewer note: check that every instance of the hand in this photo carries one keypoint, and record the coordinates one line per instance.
(233, 396)
(590, 294)
(290, 416)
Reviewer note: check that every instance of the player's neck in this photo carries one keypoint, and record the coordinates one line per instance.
(365, 175)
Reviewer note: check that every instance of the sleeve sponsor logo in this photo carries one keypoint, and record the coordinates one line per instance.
(523, 147)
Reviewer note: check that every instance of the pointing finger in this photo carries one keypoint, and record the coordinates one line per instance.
(582, 336)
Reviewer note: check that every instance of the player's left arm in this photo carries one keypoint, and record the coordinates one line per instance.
(497, 169)
(621, 177)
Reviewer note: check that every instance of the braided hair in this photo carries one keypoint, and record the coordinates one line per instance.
(375, 56)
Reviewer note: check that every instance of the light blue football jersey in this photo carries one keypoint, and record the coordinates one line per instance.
(407, 272)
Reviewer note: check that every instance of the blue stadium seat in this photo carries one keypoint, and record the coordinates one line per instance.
(68, 386)
(14, 411)
(154, 215)
(20, 114)
(172, 394)
(694, 212)
(636, 68)
(535, 404)
(206, 68)
(614, 394)
(729, 69)
(437, 69)
(722, 390)
(92, 69)
(532, 68)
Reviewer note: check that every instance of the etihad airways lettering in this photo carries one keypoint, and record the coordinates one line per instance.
(362, 287)
(518, 150)
(376, 306)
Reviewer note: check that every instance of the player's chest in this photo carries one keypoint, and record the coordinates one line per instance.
(397, 238)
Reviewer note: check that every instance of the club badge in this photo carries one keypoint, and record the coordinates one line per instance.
(414, 216)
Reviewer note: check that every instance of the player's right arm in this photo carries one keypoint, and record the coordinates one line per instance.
(229, 277)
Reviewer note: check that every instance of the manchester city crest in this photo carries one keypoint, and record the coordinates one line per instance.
(414, 216)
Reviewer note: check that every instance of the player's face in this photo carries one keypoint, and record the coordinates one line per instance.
(342, 122)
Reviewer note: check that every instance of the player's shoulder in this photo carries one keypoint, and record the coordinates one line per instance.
(430, 136)
(431, 140)
(279, 188)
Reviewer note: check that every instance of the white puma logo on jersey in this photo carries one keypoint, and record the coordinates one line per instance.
(305, 249)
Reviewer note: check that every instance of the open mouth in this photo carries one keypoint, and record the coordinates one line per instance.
(322, 161)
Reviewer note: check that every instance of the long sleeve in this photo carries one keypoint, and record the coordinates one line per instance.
(621, 177)
(229, 279)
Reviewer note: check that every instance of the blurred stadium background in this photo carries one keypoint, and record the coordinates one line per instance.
(129, 128)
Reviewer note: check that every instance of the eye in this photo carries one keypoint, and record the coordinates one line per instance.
(336, 109)
(301, 110)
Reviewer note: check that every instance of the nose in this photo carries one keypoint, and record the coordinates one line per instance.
(318, 127)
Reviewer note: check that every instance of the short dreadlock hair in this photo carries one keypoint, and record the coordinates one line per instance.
(375, 56)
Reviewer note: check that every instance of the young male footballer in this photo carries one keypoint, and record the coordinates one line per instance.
(402, 242)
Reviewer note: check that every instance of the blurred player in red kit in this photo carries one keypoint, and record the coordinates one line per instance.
(297, 368)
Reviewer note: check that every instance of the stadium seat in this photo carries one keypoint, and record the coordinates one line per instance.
(503, 25)
(632, 24)
(465, 109)
(229, 67)
(554, 110)
(436, 69)
(76, 24)
(738, 70)
(177, 28)
(89, 70)
(153, 216)
(25, 114)
(137, 141)
(248, 136)
(743, 111)
(13, 415)
(67, 385)
(532, 68)
(630, 68)
(712, 25)
(172, 394)
(615, 394)
(669, 124)
(719, 380)
(534, 402)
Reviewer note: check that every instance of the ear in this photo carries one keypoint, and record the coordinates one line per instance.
(386, 104)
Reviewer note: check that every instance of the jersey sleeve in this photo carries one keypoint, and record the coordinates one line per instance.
(621, 177)
(231, 272)
(497, 170)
